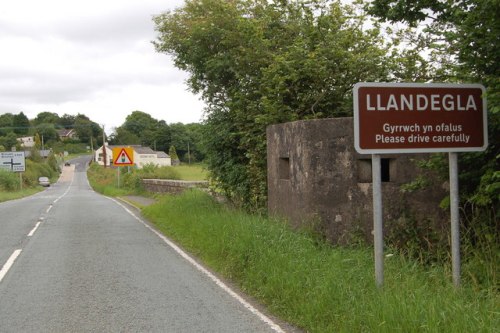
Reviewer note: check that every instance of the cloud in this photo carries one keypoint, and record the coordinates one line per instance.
(92, 57)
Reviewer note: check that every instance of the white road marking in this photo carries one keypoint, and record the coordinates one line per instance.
(275, 327)
(17, 252)
(67, 190)
(9, 263)
(32, 232)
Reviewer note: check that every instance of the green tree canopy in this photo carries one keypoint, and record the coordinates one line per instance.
(8, 141)
(21, 124)
(467, 32)
(259, 62)
(47, 132)
(86, 129)
(67, 121)
(6, 123)
(47, 118)
(139, 121)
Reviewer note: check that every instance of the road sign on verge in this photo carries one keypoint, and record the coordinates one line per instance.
(13, 161)
(395, 118)
(419, 117)
(123, 156)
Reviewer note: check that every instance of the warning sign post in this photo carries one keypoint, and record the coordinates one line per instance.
(396, 118)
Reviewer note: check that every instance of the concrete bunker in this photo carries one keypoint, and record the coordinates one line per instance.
(317, 180)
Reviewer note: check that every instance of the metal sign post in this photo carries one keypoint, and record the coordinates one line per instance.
(455, 218)
(378, 229)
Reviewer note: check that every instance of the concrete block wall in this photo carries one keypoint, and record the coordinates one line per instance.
(171, 186)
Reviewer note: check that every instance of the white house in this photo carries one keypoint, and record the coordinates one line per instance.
(142, 156)
(27, 141)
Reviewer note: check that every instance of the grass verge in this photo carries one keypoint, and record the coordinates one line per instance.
(5, 196)
(318, 287)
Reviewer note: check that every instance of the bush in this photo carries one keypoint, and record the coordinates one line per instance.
(35, 170)
(9, 181)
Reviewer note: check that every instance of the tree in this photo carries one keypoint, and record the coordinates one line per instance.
(257, 63)
(47, 132)
(9, 141)
(123, 137)
(467, 32)
(46, 118)
(140, 128)
(163, 136)
(139, 121)
(86, 129)
(172, 152)
(67, 121)
(21, 124)
(6, 123)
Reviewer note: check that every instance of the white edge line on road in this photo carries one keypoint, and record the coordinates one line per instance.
(212, 277)
(32, 232)
(9, 263)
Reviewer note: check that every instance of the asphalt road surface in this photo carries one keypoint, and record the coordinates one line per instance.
(75, 261)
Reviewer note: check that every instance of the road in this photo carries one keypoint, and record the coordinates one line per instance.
(75, 261)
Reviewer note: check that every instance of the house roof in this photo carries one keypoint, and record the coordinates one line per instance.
(141, 150)
(162, 154)
(65, 132)
(144, 150)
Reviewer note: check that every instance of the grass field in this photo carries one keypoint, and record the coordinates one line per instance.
(192, 171)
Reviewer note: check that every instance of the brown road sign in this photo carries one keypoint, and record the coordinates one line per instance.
(410, 118)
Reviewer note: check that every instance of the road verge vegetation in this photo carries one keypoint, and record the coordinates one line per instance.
(15, 186)
(314, 285)
(126, 181)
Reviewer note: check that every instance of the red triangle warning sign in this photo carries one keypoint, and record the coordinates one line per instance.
(123, 157)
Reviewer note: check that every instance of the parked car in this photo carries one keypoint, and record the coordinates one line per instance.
(67, 164)
(44, 181)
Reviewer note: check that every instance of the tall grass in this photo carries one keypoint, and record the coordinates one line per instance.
(318, 287)
(105, 181)
(192, 171)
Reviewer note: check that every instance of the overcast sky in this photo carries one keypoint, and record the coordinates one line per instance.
(93, 57)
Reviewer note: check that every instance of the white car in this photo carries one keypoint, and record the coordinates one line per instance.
(44, 181)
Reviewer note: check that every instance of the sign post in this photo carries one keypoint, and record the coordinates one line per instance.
(397, 118)
(122, 157)
(378, 229)
(14, 161)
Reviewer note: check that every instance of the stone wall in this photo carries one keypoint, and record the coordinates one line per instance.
(171, 186)
(317, 180)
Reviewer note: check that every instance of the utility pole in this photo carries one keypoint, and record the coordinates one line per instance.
(92, 149)
(104, 146)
